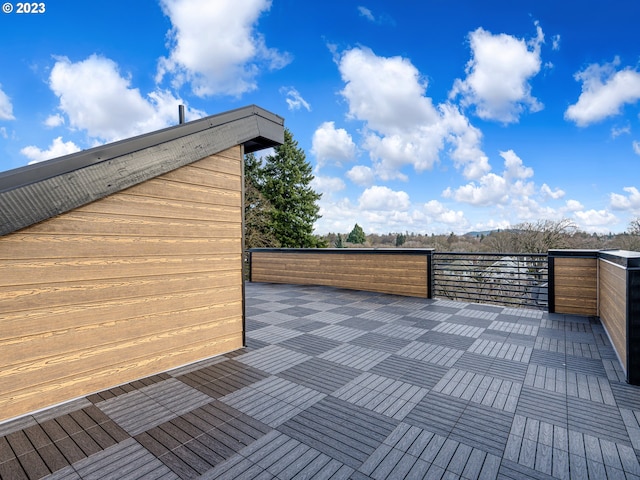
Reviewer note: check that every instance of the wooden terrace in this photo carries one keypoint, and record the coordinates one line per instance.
(346, 384)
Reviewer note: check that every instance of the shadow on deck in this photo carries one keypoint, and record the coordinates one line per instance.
(344, 384)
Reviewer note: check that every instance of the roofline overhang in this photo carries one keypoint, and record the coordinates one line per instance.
(36, 192)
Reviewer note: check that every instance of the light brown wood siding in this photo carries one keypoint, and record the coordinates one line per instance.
(139, 282)
(374, 272)
(613, 306)
(576, 286)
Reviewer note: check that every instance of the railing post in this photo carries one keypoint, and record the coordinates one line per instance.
(430, 277)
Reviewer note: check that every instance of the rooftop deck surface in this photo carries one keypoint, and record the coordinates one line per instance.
(343, 384)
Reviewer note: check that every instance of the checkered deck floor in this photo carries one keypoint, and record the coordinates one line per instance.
(342, 384)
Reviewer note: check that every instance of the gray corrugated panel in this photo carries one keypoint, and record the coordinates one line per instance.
(37, 192)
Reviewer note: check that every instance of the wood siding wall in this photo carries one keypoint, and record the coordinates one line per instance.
(133, 284)
(613, 306)
(373, 272)
(576, 286)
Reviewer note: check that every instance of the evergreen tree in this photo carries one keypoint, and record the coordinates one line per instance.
(400, 239)
(339, 243)
(286, 178)
(357, 235)
(258, 211)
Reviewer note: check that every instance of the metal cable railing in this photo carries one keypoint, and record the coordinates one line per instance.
(513, 279)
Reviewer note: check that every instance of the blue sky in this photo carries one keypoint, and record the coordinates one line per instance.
(426, 116)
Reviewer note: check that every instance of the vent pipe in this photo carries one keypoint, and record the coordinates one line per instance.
(180, 114)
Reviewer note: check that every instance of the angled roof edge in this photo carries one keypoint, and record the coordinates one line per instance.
(34, 193)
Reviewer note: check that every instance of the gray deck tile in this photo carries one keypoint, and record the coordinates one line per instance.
(502, 350)
(400, 331)
(354, 356)
(380, 342)
(446, 340)
(437, 413)
(458, 329)
(273, 334)
(272, 359)
(321, 375)
(392, 398)
(310, 344)
(427, 352)
(410, 371)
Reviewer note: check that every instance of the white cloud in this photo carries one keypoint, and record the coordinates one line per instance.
(95, 97)
(514, 168)
(636, 147)
(631, 201)
(54, 120)
(546, 192)
(58, 148)
(595, 220)
(294, 99)
(361, 175)
(214, 46)
(574, 205)
(402, 125)
(437, 213)
(330, 144)
(489, 190)
(327, 185)
(555, 42)
(617, 131)
(6, 107)
(366, 13)
(493, 189)
(604, 92)
(384, 199)
(498, 75)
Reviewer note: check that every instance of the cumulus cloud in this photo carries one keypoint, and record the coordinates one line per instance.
(595, 220)
(605, 90)
(402, 125)
(6, 107)
(214, 46)
(555, 45)
(498, 75)
(332, 145)
(493, 189)
(361, 175)
(437, 213)
(383, 198)
(546, 192)
(54, 120)
(294, 99)
(95, 97)
(327, 185)
(636, 147)
(630, 201)
(574, 205)
(58, 148)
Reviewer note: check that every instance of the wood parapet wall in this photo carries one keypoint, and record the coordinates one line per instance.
(613, 306)
(368, 271)
(576, 286)
(139, 282)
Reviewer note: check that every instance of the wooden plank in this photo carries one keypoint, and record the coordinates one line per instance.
(24, 246)
(36, 322)
(71, 269)
(89, 223)
(575, 288)
(177, 191)
(51, 295)
(81, 358)
(206, 177)
(613, 306)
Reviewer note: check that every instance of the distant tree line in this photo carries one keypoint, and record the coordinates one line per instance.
(528, 237)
